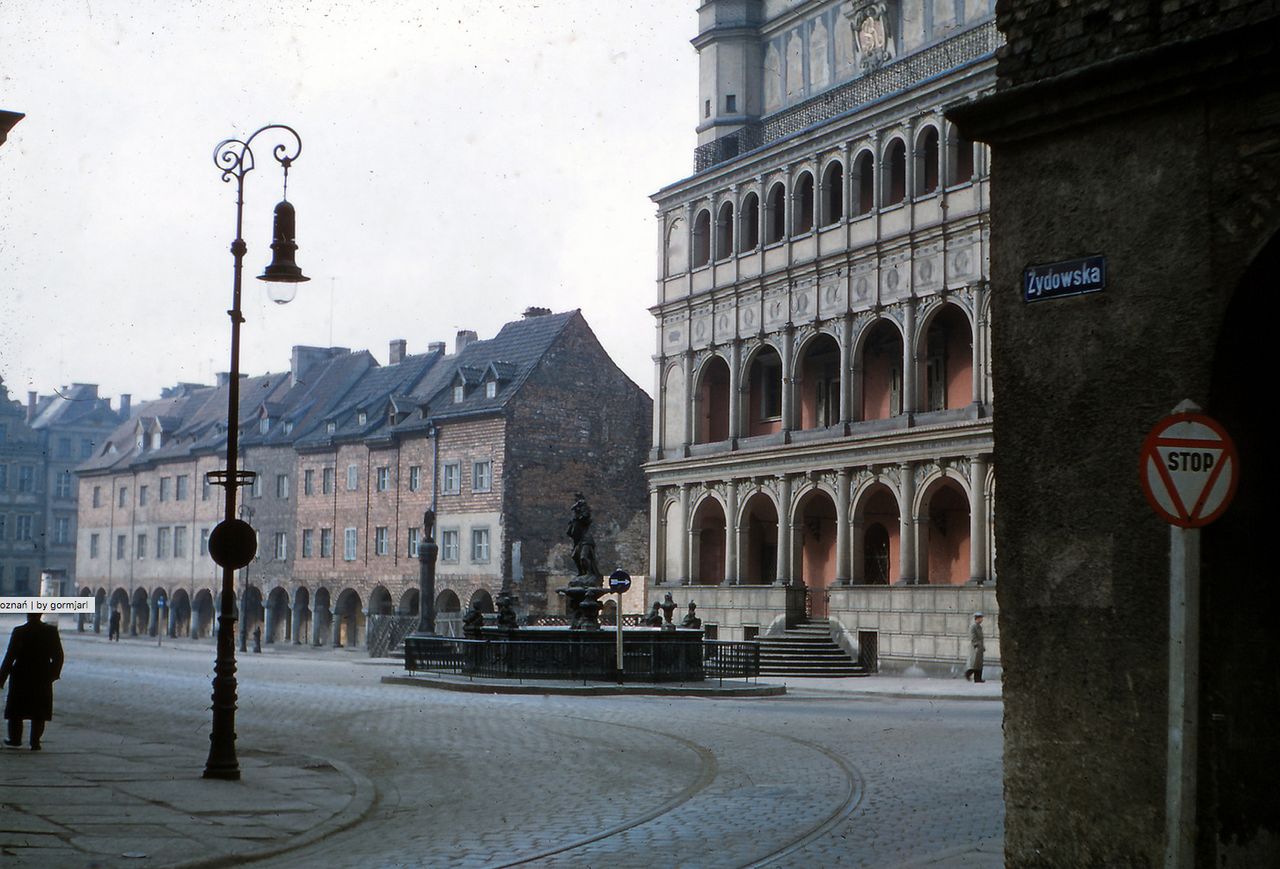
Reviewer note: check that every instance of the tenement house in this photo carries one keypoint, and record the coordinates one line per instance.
(348, 454)
(822, 433)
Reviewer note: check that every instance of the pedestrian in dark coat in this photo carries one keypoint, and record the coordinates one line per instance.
(977, 648)
(113, 629)
(34, 660)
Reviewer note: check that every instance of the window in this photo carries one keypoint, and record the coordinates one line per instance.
(415, 478)
(353, 477)
(22, 528)
(308, 542)
(282, 485)
(749, 223)
(4, 477)
(165, 483)
(309, 481)
(180, 541)
(64, 448)
(264, 425)
(142, 495)
(97, 496)
(479, 545)
(362, 418)
(93, 545)
(491, 389)
(702, 238)
(62, 487)
(482, 476)
(413, 542)
(730, 103)
(180, 487)
(326, 542)
(327, 481)
(86, 448)
(162, 543)
(120, 547)
(204, 541)
(383, 479)
(255, 488)
(451, 478)
(775, 213)
(206, 488)
(21, 579)
(802, 219)
(449, 545)
(330, 427)
(349, 542)
(26, 478)
(61, 529)
(281, 547)
(459, 393)
(706, 108)
(893, 185)
(724, 231)
(140, 548)
(380, 540)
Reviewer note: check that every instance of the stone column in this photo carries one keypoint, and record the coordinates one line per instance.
(907, 526)
(978, 520)
(658, 385)
(268, 621)
(909, 372)
(788, 379)
(846, 371)
(319, 615)
(153, 616)
(686, 362)
(762, 214)
(682, 535)
(843, 481)
(819, 189)
(336, 623)
(172, 628)
(731, 534)
(784, 531)
(297, 622)
(735, 392)
(656, 551)
(979, 348)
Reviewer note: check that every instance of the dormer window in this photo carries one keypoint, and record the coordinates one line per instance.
(491, 389)
(459, 393)
(330, 427)
(361, 418)
(288, 426)
(264, 425)
(142, 441)
(156, 439)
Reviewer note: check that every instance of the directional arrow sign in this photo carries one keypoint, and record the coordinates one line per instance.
(1189, 469)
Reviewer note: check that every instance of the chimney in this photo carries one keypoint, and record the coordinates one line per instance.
(126, 404)
(435, 347)
(464, 337)
(535, 311)
(224, 377)
(31, 404)
(396, 356)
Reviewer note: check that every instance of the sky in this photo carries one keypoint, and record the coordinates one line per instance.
(461, 161)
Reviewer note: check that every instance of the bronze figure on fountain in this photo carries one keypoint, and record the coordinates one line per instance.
(585, 590)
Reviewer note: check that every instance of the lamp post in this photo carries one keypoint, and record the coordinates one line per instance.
(233, 542)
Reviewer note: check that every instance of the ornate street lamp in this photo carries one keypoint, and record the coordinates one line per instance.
(233, 542)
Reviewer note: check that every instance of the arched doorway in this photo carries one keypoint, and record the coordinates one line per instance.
(481, 601)
(763, 407)
(181, 613)
(815, 547)
(83, 617)
(100, 610)
(819, 385)
(301, 615)
(880, 529)
(140, 617)
(948, 360)
(380, 601)
(409, 603)
(882, 371)
(348, 619)
(711, 422)
(251, 614)
(202, 614)
(944, 534)
(449, 613)
(320, 617)
(278, 620)
(708, 542)
(758, 559)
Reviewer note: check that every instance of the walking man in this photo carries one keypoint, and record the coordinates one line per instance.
(113, 628)
(34, 660)
(973, 668)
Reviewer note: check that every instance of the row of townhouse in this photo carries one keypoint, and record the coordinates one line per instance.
(822, 432)
(496, 437)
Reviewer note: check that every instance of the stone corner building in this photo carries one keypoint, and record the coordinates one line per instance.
(496, 436)
(823, 422)
(1148, 134)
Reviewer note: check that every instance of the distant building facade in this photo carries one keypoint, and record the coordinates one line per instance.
(496, 437)
(822, 427)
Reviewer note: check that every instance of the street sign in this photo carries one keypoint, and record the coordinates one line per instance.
(1073, 277)
(619, 581)
(1189, 469)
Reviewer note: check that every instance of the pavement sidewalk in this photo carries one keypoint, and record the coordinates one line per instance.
(96, 800)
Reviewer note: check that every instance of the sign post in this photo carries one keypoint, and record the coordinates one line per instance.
(619, 583)
(1189, 471)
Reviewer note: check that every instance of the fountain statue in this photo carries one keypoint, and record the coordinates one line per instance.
(585, 590)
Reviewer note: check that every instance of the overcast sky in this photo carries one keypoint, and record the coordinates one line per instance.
(462, 160)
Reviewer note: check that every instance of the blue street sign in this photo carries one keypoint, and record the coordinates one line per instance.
(619, 581)
(1067, 278)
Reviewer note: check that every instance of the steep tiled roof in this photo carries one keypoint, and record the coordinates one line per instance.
(371, 395)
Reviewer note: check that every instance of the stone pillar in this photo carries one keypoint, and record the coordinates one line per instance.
(657, 403)
(735, 392)
(978, 520)
(172, 628)
(762, 214)
(784, 531)
(979, 348)
(268, 621)
(907, 526)
(819, 189)
(846, 369)
(319, 615)
(336, 622)
(297, 622)
(731, 534)
(153, 616)
(843, 482)
(656, 551)
(686, 362)
(682, 535)
(788, 380)
(909, 368)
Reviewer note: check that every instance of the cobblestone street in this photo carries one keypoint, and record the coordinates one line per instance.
(812, 778)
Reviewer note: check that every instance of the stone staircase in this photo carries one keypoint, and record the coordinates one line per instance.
(806, 650)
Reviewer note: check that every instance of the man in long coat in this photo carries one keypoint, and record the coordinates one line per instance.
(34, 660)
(977, 647)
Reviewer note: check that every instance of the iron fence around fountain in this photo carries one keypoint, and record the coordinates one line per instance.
(649, 658)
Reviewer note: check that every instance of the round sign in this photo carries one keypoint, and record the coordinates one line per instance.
(619, 581)
(1189, 469)
(233, 543)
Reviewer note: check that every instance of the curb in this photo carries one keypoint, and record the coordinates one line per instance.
(584, 690)
(356, 810)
